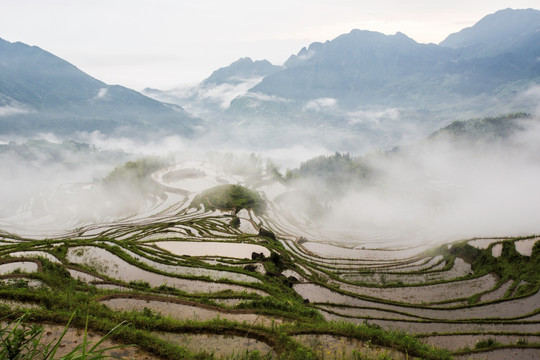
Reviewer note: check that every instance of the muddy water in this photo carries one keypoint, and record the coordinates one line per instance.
(294, 274)
(524, 247)
(23, 266)
(423, 265)
(503, 354)
(111, 265)
(460, 269)
(496, 250)
(426, 294)
(74, 337)
(337, 347)
(32, 254)
(503, 310)
(186, 312)
(186, 270)
(456, 342)
(87, 278)
(222, 249)
(439, 327)
(247, 227)
(497, 294)
(367, 313)
(483, 243)
(220, 345)
(328, 250)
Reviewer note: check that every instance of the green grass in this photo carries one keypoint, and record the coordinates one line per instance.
(20, 340)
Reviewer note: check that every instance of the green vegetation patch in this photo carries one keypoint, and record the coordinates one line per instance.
(489, 128)
(230, 197)
(135, 171)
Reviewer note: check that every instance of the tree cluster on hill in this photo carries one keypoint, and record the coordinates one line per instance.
(136, 174)
(489, 128)
(337, 170)
(230, 197)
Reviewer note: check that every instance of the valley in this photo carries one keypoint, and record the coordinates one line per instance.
(244, 284)
(371, 197)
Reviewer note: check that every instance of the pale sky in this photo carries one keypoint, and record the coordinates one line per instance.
(168, 43)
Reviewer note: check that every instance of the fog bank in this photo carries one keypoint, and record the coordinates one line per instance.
(448, 189)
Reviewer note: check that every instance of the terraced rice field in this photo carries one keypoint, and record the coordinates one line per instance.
(191, 282)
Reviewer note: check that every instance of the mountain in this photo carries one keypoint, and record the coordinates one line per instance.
(240, 70)
(500, 32)
(370, 68)
(215, 93)
(359, 67)
(371, 90)
(39, 92)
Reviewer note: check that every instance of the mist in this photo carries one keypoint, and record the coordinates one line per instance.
(51, 185)
(441, 190)
(34, 169)
(429, 191)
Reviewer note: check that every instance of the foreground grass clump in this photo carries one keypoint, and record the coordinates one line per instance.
(230, 197)
(20, 340)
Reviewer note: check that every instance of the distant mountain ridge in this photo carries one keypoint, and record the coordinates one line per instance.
(388, 88)
(358, 91)
(39, 92)
(497, 32)
(241, 69)
(215, 93)
(365, 67)
(355, 67)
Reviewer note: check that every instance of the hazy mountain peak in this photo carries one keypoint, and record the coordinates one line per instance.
(40, 92)
(359, 42)
(500, 29)
(303, 54)
(240, 70)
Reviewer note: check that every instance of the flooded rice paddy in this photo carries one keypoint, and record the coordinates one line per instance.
(106, 263)
(18, 267)
(187, 311)
(188, 266)
(336, 347)
(232, 250)
(219, 345)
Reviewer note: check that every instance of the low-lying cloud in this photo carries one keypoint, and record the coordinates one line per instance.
(373, 116)
(9, 110)
(320, 104)
(446, 190)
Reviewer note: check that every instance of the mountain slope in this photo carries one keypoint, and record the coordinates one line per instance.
(241, 69)
(41, 92)
(365, 90)
(370, 68)
(496, 33)
(359, 67)
(215, 93)
(486, 129)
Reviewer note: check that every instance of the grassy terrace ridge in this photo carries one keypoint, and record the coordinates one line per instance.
(63, 295)
(72, 296)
